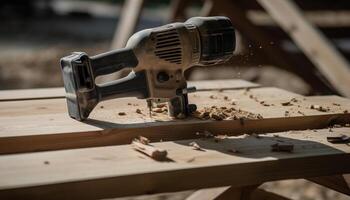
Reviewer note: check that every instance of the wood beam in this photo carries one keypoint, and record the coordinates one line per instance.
(37, 125)
(106, 172)
(339, 183)
(319, 50)
(270, 48)
(127, 23)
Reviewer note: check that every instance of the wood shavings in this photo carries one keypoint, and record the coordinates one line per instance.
(160, 109)
(223, 113)
(157, 110)
(218, 138)
(286, 113)
(121, 113)
(264, 103)
(143, 140)
(301, 113)
(294, 100)
(195, 146)
(319, 108)
(233, 102)
(151, 151)
(282, 147)
(288, 103)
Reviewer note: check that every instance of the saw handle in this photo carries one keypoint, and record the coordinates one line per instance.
(113, 61)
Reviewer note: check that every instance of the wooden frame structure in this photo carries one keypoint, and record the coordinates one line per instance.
(319, 64)
(45, 154)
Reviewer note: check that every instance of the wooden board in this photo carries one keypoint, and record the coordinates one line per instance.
(103, 172)
(28, 94)
(51, 93)
(38, 125)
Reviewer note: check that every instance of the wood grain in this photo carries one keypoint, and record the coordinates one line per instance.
(38, 125)
(104, 172)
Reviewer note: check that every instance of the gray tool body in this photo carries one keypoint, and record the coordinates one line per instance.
(158, 58)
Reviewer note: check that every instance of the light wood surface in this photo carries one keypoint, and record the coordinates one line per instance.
(28, 94)
(36, 125)
(113, 171)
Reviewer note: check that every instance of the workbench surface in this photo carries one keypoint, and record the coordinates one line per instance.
(45, 153)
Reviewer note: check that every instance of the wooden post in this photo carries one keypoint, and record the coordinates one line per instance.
(127, 23)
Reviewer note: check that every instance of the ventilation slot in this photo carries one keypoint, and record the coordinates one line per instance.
(168, 46)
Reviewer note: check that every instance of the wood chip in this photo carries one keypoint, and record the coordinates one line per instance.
(288, 103)
(342, 139)
(143, 140)
(319, 108)
(138, 111)
(223, 113)
(121, 113)
(195, 146)
(157, 110)
(212, 97)
(282, 147)
(151, 151)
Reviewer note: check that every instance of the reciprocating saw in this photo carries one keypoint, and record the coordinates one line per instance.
(158, 58)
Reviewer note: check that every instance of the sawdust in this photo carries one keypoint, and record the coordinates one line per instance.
(224, 113)
(138, 111)
(121, 113)
(319, 108)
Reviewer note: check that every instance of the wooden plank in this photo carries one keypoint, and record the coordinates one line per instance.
(103, 172)
(28, 94)
(223, 193)
(340, 183)
(261, 194)
(312, 42)
(52, 93)
(44, 124)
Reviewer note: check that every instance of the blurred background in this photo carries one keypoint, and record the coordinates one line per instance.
(271, 51)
